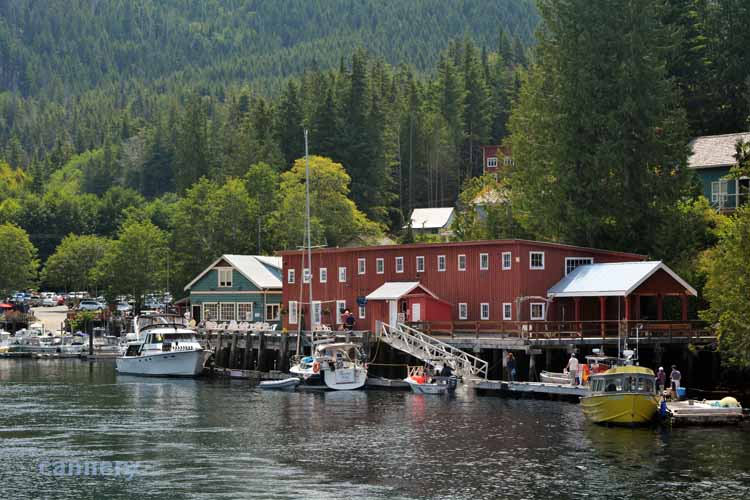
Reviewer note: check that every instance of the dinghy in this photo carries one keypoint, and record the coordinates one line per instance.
(288, 384)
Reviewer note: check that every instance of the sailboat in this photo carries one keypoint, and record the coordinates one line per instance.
(336, 366)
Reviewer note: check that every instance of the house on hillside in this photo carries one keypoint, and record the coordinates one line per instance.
(238, 288)
(497, 285)
(711, 158)
(432, 220)
(494, 158)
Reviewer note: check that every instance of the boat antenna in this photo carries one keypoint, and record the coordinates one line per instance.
(309, 237)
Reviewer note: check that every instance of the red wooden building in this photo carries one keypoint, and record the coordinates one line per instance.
(500, 283)
(495, 158)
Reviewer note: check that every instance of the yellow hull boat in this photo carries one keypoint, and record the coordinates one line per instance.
(624, 395)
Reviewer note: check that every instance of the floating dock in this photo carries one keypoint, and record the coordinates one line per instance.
(701, 413)
(532, 389)
(385, 383)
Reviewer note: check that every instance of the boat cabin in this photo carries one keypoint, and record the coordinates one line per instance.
(628, 379)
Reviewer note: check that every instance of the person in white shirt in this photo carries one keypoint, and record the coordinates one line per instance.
(573, 369)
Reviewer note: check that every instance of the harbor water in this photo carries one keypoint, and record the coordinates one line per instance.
(195, 439)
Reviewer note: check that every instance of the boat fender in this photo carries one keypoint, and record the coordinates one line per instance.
(316, 367)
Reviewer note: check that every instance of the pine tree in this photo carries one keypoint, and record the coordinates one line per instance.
(191, 151)
(289, 130)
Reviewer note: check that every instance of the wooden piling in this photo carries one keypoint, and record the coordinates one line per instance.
(217, 355)
(283, 351)
(232, 351)
(261, 351)
(247, 362)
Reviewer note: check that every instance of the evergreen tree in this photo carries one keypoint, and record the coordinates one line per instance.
(289, 130)
(191, 152)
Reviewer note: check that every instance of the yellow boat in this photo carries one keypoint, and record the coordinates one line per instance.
(623, 395)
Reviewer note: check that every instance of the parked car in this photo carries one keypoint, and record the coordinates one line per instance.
(49, 302)
(60, 300)
(90, 305)
(124, 307)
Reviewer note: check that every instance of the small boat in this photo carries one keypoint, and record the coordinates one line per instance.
(288, 384)
(165, 347)
(423, 384)
(624, 395)
(338, 366)
(554, 377)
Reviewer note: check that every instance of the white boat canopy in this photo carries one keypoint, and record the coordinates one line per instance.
(394, 290)
(613, 279)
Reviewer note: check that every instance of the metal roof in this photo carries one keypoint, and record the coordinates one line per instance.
(714, 150)
(610, 279)
(431, 218)
(263, 271)
(393, 290)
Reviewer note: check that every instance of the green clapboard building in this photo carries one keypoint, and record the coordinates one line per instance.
(239, 288)
(711, 158)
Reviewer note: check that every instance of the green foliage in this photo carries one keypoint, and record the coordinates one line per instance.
(19, 260)
(71, 266)
(335, 219)
(136, 263)
(598, 136)
(727, 268)
(485, 212)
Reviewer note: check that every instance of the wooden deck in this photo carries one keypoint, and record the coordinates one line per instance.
(699, 413)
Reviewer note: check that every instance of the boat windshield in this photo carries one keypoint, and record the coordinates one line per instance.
(171, 337)
(161, 319)
(623, 383)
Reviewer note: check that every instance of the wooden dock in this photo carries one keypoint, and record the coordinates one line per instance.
(385, 383)
(531, 389)
(692, 412)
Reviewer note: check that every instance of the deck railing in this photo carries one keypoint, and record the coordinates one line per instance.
(536, 330)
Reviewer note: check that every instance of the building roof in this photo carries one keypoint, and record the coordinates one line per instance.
(616, 279)
(393, 290)
(715, 150)
(263, 271)
(431, 218)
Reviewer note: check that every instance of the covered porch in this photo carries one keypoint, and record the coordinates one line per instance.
(406, 302)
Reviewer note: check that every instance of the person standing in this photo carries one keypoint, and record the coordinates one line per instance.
(511, 366)
(676, 378)
(573, 369)
(661, 379)
(349, 320)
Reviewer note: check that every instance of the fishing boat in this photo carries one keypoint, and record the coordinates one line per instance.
(288, 384)
(623, 395)
(420, 383)
(165, 347)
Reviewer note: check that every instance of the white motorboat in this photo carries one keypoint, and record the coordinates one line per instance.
(4, 341)
(288, 384)
(337, 366)
(420, 383)
(165, 347)
(554, 377)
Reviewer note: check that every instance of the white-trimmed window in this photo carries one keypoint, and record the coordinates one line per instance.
(317, 312)
(244, 311)
(399, 264)
(441, 263)
(361, 312)
(484, 310)
(227, 311)
(463, 310)
(291, 276)
(272, 312)
(292, 312)
(537, 310)
(420, 263)
(507, 311)
(306, 275)
(572, 262)
(340, 308)
(462, 262)
(492, 162)
(342, 274)
(536, 260)
(507, 161)
(361, 266)
(323, 274)
(211, 311)
(484, 261)
(719, 191)
(225, 277)
(379, 265)
(507, 260)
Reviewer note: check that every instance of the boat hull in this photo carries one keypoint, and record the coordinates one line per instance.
(345, 379)
(167, 364)
(288, 384)
(621, 408)
(554, 378)
(443, 387)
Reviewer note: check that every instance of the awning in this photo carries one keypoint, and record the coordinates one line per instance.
(394, 290)
(614, 279)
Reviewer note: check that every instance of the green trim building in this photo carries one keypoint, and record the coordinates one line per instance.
(711, 158)
(238, 288)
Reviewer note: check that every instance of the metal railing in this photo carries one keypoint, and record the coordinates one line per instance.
(432, 351)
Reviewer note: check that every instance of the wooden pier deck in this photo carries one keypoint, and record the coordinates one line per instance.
(681, 413)
(531, 389)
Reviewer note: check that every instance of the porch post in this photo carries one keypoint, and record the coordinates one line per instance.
(684, 299)
(577, 314)
(659, 307)
(627, 308)
(603, 314)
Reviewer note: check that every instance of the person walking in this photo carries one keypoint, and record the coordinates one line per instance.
(676, 378)
(510, 364)
(661, 379)
(573, 369)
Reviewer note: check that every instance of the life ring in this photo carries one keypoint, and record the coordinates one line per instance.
(316, 367)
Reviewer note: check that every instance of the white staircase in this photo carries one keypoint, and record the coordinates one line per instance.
(432, 351)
